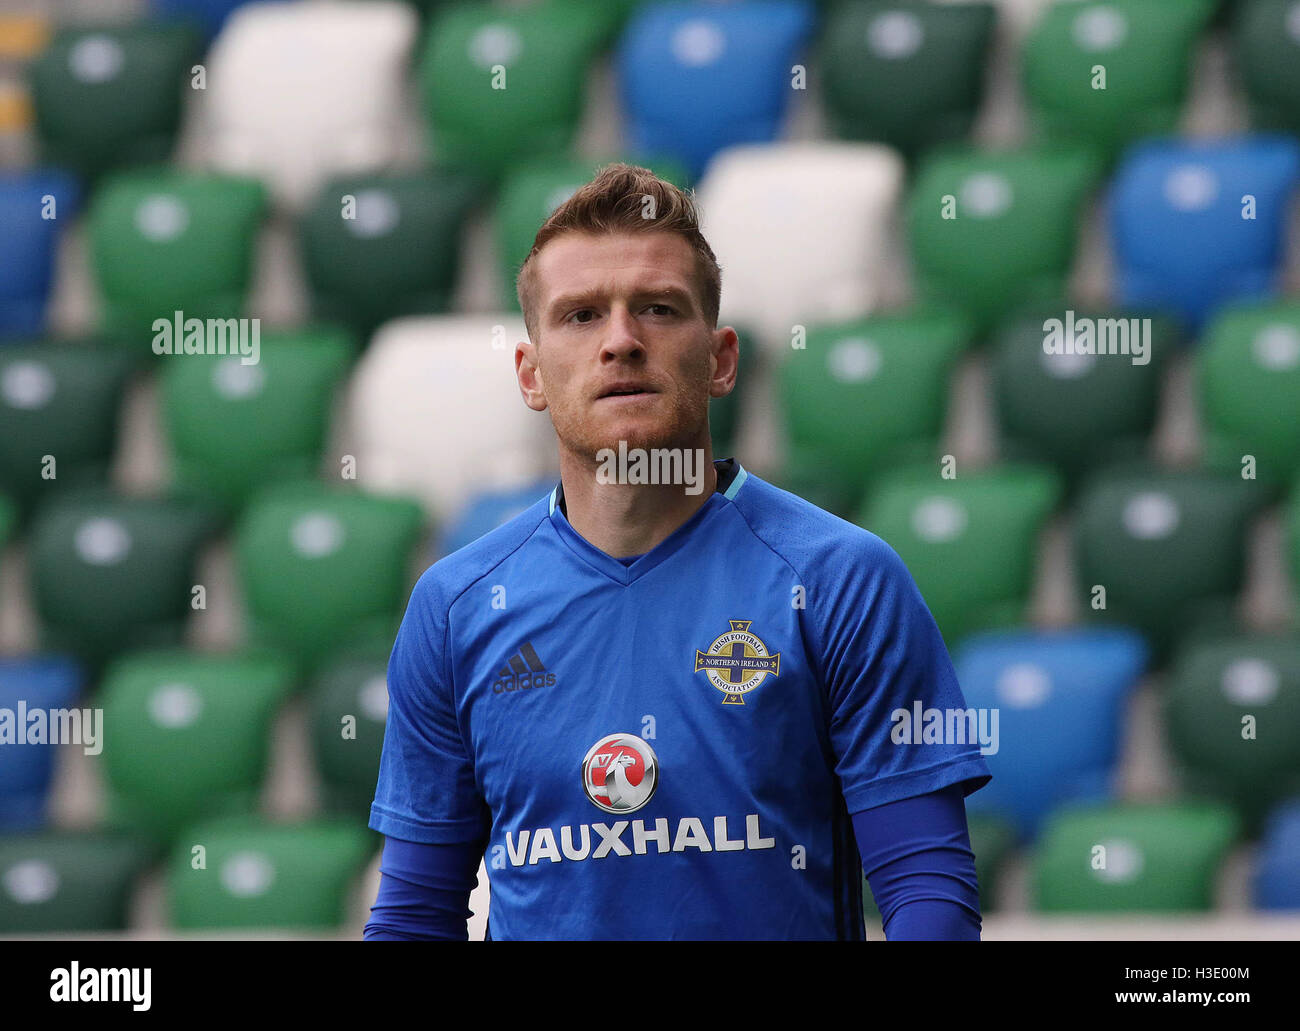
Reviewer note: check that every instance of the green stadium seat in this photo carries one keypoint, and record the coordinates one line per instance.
(969, 542)
(1248, 370)
(259, 875)
(1077, 411)
(60, 881)
(532, 191)
(112, 573)
(1009, 236)
(864, 394)
(8, 517)
(1156, 858)
(1214, 686)
(236, 427)
(1266, 48)
(347, 711)
(500, 84)
(168, 241)
(993, 840)
(1168, 546)
(394, 250)
(1145, 52)
(112, 96)
(62, 399)
(322, 568)
(910, 74)
(189, 735)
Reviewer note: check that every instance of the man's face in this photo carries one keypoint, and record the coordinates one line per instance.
(623, 351)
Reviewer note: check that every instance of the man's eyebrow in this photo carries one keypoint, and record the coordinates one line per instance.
(574, 300)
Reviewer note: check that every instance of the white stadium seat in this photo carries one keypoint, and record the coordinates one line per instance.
(299, 92)
(436, 412)
(801, 231)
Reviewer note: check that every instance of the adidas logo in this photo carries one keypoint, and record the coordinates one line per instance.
(524, 670)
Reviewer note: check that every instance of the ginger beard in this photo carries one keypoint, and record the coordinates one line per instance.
(675, 417)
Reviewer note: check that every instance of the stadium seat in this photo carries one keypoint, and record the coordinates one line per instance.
(1266, 48)
(970, 542)
(262, 875)
(335, 109)
(486, 511)
(531, 192)
(1060, 698)
(427, 381)
(505, 84)
(8, 517)
(1248, 373)
(1197, 223)
(697, 77)
(992, 839)
(33, 682)
(1132, 858)
(207, 15)
(802, 230)
(109, 573)
(168, 242)
(1167, 546)
(320, 566)
(111, 96)
(994, 230)
(347, 711)
(34, 206)
(59, 400)
(1092, 402)
(235, 427)
(61, 881)
(1106, 73)
(1276, 883)
(191, 734)
(393, 250)
(909, 74)
(860, 395)
(1232, 710)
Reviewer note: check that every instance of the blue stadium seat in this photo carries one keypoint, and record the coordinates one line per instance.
(697, 77)
(26, 771)
(1277, 875)
(208, 15)
(485, 512)
(1059, 696)
(27, 245)
(1187, 235)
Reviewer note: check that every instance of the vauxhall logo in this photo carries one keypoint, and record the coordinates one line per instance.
(524, 670)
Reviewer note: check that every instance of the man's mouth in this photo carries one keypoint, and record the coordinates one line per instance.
(626, 390)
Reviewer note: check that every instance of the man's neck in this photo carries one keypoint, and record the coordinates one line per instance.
(623, 519)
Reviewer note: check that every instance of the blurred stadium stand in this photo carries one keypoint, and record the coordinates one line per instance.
(199, 154)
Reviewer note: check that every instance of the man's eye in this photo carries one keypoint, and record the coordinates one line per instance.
(578, 316)
(663, 309)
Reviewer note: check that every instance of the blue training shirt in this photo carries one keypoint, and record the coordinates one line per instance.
(670, 748)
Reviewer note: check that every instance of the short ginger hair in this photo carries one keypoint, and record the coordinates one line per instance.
(625, 198)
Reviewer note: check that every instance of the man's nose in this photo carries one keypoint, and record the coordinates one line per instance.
(623, 335)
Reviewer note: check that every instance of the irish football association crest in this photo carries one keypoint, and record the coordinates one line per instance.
(737, 662)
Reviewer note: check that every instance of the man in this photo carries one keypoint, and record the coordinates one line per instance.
(660, 701)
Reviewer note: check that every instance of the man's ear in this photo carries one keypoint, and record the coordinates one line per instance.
(724, 360)
(529, 374)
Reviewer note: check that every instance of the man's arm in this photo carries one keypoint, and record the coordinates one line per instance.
(424, 891)
(918, 860)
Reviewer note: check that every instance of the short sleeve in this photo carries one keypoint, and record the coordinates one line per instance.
(426, 791)
(890, 685)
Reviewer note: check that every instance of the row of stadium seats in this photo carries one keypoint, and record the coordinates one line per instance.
(1193, 227)
(191, 731)
(246, 873)
(502, 82)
